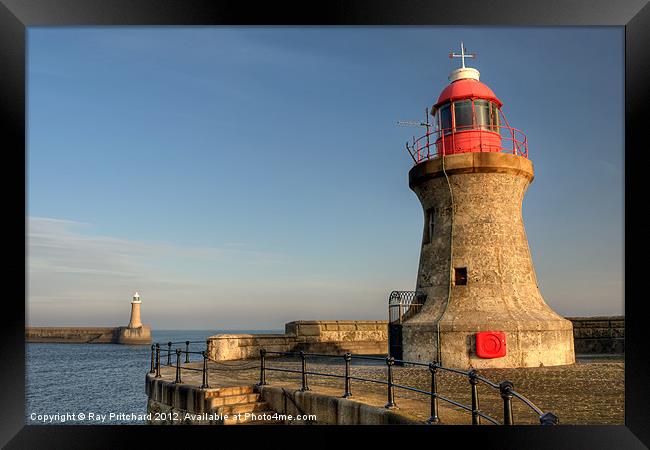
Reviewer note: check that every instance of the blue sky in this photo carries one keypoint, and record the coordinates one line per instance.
(245, 177)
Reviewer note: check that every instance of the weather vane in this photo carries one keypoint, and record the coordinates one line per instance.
(462, 55)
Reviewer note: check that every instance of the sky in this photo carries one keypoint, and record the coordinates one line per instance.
(244, 177)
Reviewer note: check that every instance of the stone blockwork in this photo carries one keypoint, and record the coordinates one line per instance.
(328, 409)
(186, 403)
(599, 335)
(172, 403)
(479, 225)
(319, 336)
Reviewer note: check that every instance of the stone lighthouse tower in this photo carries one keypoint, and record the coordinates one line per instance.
(135, 312)
(482, 306)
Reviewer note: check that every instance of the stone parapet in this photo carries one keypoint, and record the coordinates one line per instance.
(320, 336)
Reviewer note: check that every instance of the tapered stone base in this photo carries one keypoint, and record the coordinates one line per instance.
(537, 345)
(135, 336)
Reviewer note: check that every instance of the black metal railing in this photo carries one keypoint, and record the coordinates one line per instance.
(505, 388)
(161, 355)
(156, 363)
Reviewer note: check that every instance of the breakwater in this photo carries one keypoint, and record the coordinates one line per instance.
(89, 335)
(599, 334)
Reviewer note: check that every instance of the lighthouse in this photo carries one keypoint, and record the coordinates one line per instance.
(480, 302)
(135, 332)
(135, 312)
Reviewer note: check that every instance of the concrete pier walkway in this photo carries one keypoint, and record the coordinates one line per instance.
(588, 392)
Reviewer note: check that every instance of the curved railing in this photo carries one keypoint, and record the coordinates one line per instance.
(505, 388)
(437, 143)
(404, 304)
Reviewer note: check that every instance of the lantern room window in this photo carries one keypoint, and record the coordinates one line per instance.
(445, 118)
(467, 115)
(494, 117)
(463, 115)
(482, 113)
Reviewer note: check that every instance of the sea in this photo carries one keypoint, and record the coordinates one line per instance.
(96, 384)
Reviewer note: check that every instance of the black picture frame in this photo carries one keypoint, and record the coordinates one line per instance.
(16, 15)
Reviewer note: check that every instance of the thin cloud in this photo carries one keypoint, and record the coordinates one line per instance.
(76, 277)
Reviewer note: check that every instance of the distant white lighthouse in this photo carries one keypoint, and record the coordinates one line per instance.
(135, 332)
(135, 312)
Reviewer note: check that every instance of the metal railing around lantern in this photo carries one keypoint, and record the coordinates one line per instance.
(440, 142)
(505, 388)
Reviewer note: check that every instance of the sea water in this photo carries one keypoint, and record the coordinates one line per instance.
(99, 384)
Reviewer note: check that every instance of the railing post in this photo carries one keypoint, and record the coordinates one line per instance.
(433, 368)
(169, 353)
(187, 352)
(303, 358)
(505, 388)
(205, 384)
(347, 357)
(157, 360)
(390, 362)
(473, 381)
(153, 359)
(262, 367)
(178, 366)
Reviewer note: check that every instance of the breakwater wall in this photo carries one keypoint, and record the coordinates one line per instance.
(89, 335)
(599, 335)
(592, 335)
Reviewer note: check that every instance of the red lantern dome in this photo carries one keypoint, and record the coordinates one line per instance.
(467, 117)
(466, 88)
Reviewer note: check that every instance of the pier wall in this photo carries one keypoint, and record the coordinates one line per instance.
(89, 335)
(330, 410)
(318, 336)
(169, 403)
(83, 335)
